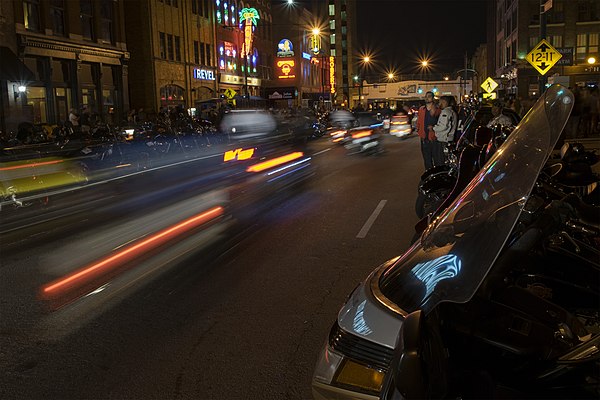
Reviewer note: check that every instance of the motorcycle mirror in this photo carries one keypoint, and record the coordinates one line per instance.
(405, 376)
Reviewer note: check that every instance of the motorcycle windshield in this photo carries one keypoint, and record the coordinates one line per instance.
(458, 249)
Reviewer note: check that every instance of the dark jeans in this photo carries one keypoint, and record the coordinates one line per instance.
(433, 153)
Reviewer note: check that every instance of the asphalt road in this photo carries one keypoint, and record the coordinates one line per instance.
(244, 319)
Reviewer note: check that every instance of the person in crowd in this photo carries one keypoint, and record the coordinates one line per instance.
(572, 128)
(498, 118)
(427, 118)
(74, 118)
(445, 128)
(141, 116)
(85, 119)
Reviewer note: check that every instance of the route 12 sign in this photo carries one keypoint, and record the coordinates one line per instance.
(543, 56)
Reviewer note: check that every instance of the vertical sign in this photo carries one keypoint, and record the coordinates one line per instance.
(248, 17)
(332, 73)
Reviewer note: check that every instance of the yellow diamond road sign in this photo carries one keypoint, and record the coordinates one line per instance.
(489, 85)
(543, 56)
(230, 93)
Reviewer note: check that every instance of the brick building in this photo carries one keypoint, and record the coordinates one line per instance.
(66, 54)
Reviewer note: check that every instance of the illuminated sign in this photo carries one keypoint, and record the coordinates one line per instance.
(204, 74)
(332, 73)
(306, 56)
(543, 57)
(249, 18)
(229, 49)
(286, 68)
(315, 44)
(285, 48)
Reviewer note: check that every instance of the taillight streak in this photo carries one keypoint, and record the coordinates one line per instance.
(33, 164)
(274, 162)
(131, 251)
(361, 134)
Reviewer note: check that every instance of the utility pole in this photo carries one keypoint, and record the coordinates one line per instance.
(542, 78)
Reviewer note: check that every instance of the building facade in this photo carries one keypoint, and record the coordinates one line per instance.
(69, 54)
(572, 27)
(244, 41)
(342, 29)
(301, 69)
(173, 53)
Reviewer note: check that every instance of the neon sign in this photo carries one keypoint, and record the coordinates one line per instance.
(286, 68)
(285, 48)
(204, 74)
(332, 73)
(249, 18)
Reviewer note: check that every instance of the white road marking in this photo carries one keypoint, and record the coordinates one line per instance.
(322, 151)
(365, 229)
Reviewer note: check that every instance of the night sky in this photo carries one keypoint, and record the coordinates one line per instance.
(398, 32)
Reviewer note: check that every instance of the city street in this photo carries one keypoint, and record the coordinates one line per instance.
(244, 318)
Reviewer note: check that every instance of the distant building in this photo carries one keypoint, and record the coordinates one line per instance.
(244, 74)
(342, 29)
(172, 46)
(301, 67)
(67, 54)
(573, 28)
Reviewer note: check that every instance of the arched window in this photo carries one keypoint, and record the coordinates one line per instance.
(172, 95)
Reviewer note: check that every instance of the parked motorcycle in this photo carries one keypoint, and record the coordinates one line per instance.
(498, 298)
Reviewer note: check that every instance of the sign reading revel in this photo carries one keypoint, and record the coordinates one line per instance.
(204, 74)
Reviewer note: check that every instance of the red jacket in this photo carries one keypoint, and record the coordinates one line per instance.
(421, 122)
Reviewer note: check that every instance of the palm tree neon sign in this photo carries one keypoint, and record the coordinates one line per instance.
(249, 18)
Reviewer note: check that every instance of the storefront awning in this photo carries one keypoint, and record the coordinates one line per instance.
(13, 69)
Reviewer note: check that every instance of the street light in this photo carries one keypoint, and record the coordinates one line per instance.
(591, 60)
(365, 61)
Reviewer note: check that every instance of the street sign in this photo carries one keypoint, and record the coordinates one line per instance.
(489, 85)
(543, 56)
(230, 93)
(567, 56)
(490, 96)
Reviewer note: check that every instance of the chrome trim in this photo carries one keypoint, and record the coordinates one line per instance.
(377, 294)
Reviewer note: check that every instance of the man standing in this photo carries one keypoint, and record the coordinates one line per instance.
(444, 129)
(426, 120)
(498, 117)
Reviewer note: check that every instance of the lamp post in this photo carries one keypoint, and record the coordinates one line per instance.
(364, 62)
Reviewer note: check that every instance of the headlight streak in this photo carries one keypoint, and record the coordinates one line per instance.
(289, 166)
(128, 253)
(432, 272)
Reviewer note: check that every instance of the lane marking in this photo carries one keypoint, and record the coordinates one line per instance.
(322, 151)
(365, 229)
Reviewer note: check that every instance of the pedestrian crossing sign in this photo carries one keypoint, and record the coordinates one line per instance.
(230, 93)
(543, 56)
(489, 85)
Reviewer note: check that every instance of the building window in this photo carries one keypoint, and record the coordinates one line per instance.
(533, 40)
(586, 44)
(202, 54)
(163, 46)
(87, 19)
(106, 20)
(31, 14)
(177, 48)
(170, 53)
(331, 9)
(208, 55)
(195, 6)
(333, 52)
(57, 13)
(332, 38)
(332, 24)
(196, 53)
(588, 11)
(556, 14)
(555, 40)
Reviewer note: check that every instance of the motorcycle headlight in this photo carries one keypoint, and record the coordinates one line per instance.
(359, 376)
(335, 369)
